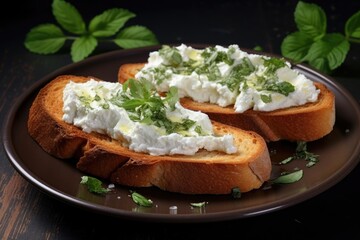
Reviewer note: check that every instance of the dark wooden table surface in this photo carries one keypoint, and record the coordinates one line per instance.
(28, 213)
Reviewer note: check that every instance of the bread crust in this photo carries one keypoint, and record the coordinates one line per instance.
(308, 122)
(100, 156)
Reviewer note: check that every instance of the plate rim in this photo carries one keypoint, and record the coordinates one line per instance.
(21, 168)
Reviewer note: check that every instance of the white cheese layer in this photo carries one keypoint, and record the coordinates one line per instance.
(249, 94)
(88, 106)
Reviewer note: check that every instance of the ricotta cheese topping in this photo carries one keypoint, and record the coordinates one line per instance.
(228, 76)
(140, 120)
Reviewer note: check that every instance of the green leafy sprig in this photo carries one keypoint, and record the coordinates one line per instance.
(49, 38)
(145, 105)
(313, 44)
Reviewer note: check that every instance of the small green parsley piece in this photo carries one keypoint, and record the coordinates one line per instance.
(238, 74)
(86, 100)
(284, 88)
(265, 98)
(236, 193)
(94, 185)
(273, 64)
(286, 160)
(141, 200)
(289, 177)
(302, 153)
(198, 204)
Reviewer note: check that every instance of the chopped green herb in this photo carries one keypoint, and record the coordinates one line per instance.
(94, 185)
(105, 106)
(238, 73)
(302, 153)
(236, 193)
(160, 73)
(172, 97)
(199, 130)
(265, 98)
(284, 88)
(141, 200)
(273, 64)
(97, 98)
(198, 204)
(171, 55)
(288, 177)
(212, 71)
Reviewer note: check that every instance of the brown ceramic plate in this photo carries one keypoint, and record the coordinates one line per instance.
(338, 152)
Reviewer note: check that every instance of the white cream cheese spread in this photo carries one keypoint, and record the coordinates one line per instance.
(142, 120)
(228, 76)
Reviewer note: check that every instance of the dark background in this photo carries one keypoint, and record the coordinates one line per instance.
(246, 23)
(31, 214)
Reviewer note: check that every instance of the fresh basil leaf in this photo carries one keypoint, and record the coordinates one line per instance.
(329, 52)
(68, 17)
(82, 47)
(289, 177)
(341, 47)
(321, 64)
(141, 200)
(45, 39)
(296, 45)
(352, 26)
(94, 185)
(310, 19)
(135, 36)
(109, 22)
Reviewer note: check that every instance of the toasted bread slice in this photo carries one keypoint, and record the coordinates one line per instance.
(308, 122)
(100, 156)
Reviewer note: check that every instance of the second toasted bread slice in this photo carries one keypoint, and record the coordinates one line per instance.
(307, 122)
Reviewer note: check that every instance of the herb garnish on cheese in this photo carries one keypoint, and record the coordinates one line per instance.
(140, 118)
(227, 76)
